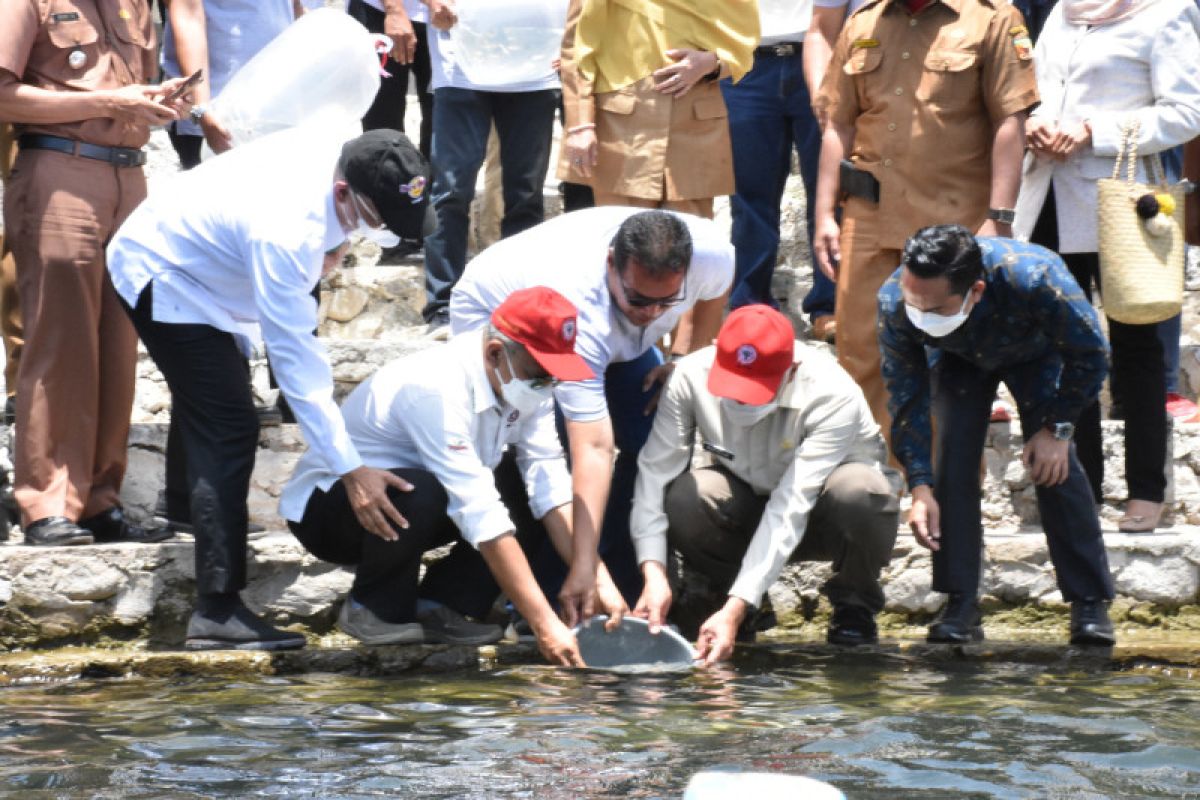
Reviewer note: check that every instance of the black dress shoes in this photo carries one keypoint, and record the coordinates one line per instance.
(960, 623)
(237, 629)
(56, 532)
(851, 626)
(112, 526)
(1090, 624)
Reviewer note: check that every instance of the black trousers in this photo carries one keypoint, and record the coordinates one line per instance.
(212, 407)
(1137, 381)
(392, 99)
(387, 573)
(962, 402)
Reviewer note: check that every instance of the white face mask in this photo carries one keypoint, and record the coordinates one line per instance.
(520, 394)
(938, 325)
(744, 415)
(380, 236)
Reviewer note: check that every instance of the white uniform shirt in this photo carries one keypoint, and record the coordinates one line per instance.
(784, 20)
(569, 254)
(435, 410)
(822, 422)
(238, 243)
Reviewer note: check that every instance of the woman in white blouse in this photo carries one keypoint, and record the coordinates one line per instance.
(1100, 64)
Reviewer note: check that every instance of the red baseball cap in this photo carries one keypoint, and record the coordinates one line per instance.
(544, 321)
(754, 350)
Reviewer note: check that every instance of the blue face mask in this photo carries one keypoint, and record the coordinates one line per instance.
(938, 325)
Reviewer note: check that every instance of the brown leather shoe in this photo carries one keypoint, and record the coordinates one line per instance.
(1141, 516)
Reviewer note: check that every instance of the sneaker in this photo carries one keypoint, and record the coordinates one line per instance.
(1179, 407)
(360, 622)
(56, 532)
(239, 630)
(852, 626)
(443, 625)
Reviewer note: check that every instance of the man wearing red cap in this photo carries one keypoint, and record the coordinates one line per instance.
(441, 420)
(798, 473)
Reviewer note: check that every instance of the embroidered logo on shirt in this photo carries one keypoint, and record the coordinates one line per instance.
(1022, 43)
(415, 188)
(513, 416)
(747, 355)
(568, 330)
(458, 445)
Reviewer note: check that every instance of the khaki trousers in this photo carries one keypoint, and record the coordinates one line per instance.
(864, 269)
(76, 378)
(700, 207)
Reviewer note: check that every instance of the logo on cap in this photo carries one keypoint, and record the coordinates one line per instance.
(747, 355)
(514, 416)
(414, 188)
(568, 330)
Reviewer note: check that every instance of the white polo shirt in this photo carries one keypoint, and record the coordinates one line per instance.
(238, 243)
(435, 410)
(569, 254)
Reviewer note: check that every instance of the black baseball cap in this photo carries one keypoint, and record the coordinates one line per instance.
(384, 166)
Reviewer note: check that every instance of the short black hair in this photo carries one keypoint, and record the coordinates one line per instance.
(945, 251)
(657, 240)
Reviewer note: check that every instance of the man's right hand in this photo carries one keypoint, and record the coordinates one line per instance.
(925, 518)
(656, 597)
(558, 645)
(577, 597)
(827, 245)
(398, 27)
(366, 488)
(441, 14)
(138, 104)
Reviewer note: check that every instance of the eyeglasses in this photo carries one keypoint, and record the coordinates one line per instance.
(638, 300)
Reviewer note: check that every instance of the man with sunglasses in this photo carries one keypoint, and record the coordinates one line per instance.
(442, 420)
(223, 258)
(632, 274)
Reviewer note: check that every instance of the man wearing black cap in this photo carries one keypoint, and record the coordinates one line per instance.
(226, 257)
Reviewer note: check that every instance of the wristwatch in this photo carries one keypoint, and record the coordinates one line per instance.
(1062, 431)
(1005, 216)
(197, 113)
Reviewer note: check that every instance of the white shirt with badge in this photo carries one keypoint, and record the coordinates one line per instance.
(822, 422)
(569, 254)
(238, 244)
(436, 411)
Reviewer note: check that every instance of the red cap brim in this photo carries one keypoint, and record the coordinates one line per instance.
(563, 366)
(755, 391)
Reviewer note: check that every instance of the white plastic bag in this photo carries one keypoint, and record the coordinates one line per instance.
(321, 71)
(510, 42)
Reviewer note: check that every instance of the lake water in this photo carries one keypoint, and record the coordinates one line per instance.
(875, 726)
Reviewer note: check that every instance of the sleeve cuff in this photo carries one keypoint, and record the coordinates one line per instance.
(748, 589)
(1106, 135)
(651, 547)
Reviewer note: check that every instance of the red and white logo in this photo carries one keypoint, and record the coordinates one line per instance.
(568, 330)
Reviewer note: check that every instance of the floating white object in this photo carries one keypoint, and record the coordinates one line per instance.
(632, 647)
(506, 43)
(759, 785)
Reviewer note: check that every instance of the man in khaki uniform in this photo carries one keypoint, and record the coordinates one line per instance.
(928, 99)
(72, 77)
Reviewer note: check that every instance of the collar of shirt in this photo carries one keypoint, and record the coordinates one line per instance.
(482, 396)
(953, 5)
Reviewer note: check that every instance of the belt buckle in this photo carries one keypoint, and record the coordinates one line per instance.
(124, 158)
(783, 49)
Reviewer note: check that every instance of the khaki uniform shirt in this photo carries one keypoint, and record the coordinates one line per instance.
(651, 145)
(822, 422)
(924, 94)
(80, 45)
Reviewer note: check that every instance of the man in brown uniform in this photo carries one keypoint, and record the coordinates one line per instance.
(72, 75)
(928, 99)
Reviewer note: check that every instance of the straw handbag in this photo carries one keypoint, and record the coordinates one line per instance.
(1141, 240)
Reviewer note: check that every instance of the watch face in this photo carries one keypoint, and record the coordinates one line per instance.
(1063, 431)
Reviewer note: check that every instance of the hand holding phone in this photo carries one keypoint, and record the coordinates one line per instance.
(183, 88)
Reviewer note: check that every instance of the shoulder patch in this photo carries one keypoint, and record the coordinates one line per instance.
(1024, 47)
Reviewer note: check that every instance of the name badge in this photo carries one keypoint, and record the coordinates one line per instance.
(65, 16)
(717, 450)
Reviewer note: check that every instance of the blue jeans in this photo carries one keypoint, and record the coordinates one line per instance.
(462, 119)
(770, 113)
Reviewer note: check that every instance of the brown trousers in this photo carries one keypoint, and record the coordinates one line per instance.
(76, 378)
(10, 311)
(864, 269)
(700, 207)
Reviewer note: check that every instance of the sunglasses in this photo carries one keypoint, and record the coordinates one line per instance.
(636, 299)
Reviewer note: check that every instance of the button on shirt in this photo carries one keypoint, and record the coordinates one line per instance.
(569, 254)
(238, 243)
(1031, 310)
(436, 411)
(822, 422)
(944, 78)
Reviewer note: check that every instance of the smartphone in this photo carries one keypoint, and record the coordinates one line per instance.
(184, 87)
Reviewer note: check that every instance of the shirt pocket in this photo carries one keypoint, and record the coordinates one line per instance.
(616, 102)
(950, 78)
(863, 66)
(130, 27)
(69, 31)
(710, 108)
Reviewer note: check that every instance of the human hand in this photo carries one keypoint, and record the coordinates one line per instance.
(138, 104)
(991, 227)
(1039, 134)
(1047, 458)
(181, 104)
(719, 633)
(442, 15)
(827, 245)
(1068, 142)
(577, 597)
(558, 645)
(690, 66)
(925, 518)
(659, 374)
(655, 601)
(366, 488)
(398, 27)
(215, 133)
(609, 598)
(583, 151)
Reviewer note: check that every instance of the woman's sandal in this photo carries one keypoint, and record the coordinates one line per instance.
(1141, 516)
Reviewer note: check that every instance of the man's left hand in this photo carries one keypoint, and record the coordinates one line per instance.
(1046, 458)
(657, 375)
(993, 228)
(719, 632)
(398, 27)
(367, 489)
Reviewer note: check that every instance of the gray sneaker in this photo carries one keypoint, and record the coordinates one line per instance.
(444, 625)
(361, 623)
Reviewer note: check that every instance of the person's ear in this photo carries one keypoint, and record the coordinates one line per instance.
(977, 290)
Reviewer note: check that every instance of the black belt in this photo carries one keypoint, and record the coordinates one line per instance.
(778, 50)
(117, 156)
